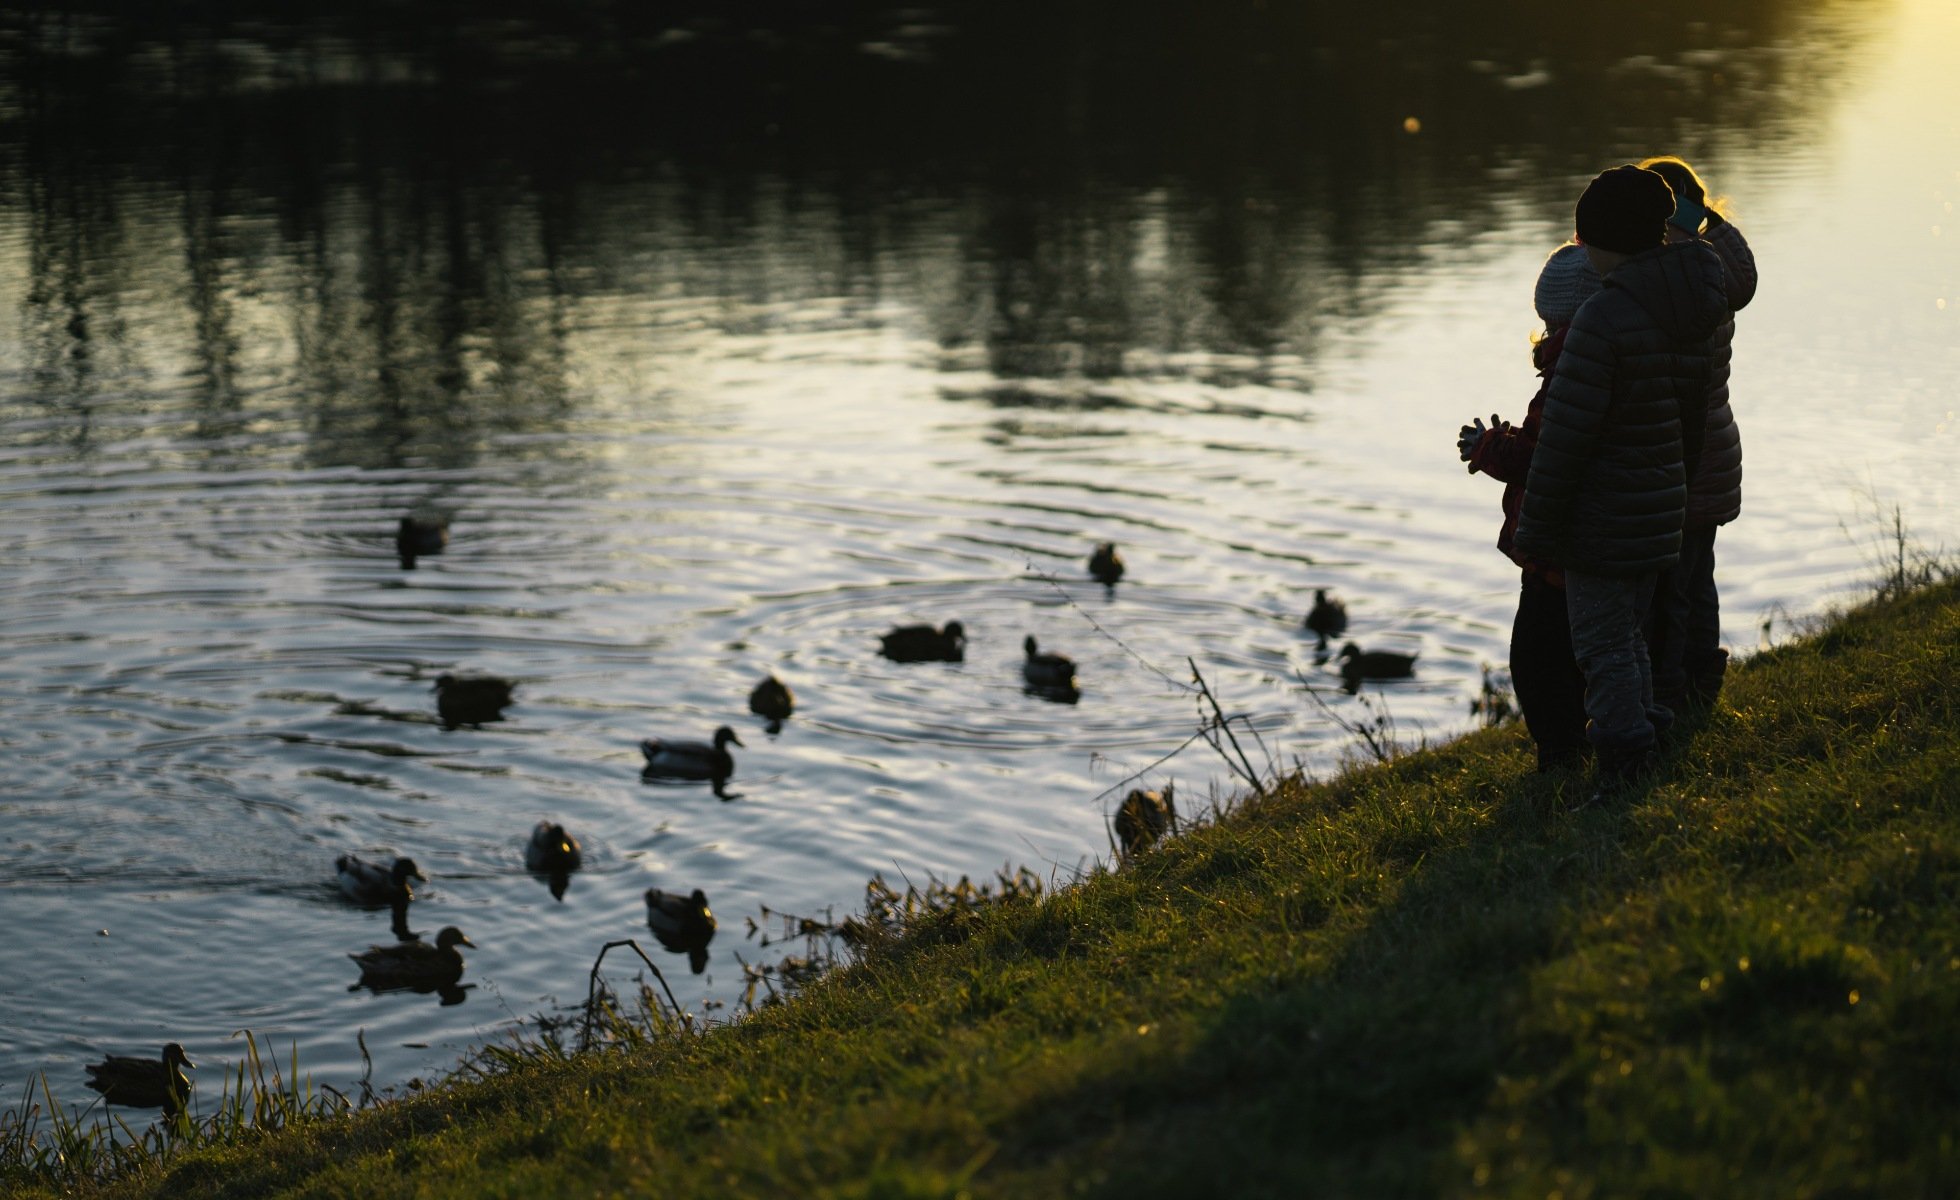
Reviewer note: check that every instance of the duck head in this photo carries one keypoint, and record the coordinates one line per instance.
(452, 936)
(405, 870)
(725, 735)
(174, 1056)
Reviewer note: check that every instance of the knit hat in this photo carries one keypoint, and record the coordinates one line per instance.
(1564, 284)
(1624, 209)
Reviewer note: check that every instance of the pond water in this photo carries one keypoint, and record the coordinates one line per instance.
(727, 348)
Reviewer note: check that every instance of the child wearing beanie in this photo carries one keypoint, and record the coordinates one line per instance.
(1551, 690)
(1620, 435)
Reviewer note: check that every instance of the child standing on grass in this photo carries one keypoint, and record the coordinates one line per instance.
(1621, 434)
(1551, 690)
(1684, 628)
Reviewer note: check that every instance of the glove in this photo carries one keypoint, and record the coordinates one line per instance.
(1471, 435)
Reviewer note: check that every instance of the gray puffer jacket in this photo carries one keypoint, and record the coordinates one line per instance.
(1624, 416)
(1715, 493)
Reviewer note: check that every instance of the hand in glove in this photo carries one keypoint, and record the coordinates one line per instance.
(1472, 434)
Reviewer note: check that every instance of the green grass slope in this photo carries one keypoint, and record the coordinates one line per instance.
(1426, 978)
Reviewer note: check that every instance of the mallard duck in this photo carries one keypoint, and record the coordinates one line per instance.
(1358, 664)
(923, 643)
(551, 851)
(415, 964)
(1049, 672)
(471, 699)
(372, 883)
(686, 918)
(668, 758)
(1105, 564)
(144, 1082)
(419, 535)
(772, 699)
(1144, 817)
(1328, 618)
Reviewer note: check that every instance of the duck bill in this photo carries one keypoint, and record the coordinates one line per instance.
(465, 941)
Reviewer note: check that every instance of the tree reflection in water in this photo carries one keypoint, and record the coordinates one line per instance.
(385, 222)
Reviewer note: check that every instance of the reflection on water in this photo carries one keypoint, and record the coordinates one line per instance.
(672, 351)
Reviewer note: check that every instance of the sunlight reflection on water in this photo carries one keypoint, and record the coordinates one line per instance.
(695, 424)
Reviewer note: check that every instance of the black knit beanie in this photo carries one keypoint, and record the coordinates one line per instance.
(1625, 209)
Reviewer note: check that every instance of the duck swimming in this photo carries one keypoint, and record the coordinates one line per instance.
(1328, 618)
(144, 1082)
(1358, 664)
(923, 643)
(772, 699)
(419, 535)
(1051, 675)
(1143, 818)
(415, 965)
(471, 699)
(1105, 564)
(372, 883)
(551, 850)
(680, 916)
(668, 758)
(683, 924)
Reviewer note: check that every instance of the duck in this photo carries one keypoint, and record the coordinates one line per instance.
(1358, 664)
(471, 699)
(1047, 672)
(1143, 818)
(372, 883)
(684, 918)
(551, 850)
(1106, 565)
(415, 964)
(144, 1082)
(1328, 618)
(923, 643)
(668, 758)
(419, 535)
(772, 699)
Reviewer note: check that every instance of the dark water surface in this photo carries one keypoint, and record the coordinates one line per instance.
(728, 343)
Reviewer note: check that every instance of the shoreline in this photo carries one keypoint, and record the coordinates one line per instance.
(1425, 975)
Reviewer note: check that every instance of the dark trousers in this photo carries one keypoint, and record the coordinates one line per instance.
(1684, 626)
(1607, 612)
(1551, 689)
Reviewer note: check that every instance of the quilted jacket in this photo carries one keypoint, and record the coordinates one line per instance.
(1715, 493)
(1624, 416)
(1504, 454)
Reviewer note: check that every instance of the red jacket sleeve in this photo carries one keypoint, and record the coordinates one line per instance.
(1504, 454)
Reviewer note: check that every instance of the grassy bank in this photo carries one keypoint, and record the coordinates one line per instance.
(1422, 978)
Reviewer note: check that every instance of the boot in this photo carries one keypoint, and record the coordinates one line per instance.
(1619, 771)
(1553, 758)
(1661, 717)
(1705, 684)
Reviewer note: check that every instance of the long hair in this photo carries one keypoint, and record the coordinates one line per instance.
(1682, 178)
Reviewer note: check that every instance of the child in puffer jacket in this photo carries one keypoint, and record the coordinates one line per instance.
(1683, 631)
(1550, 687)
